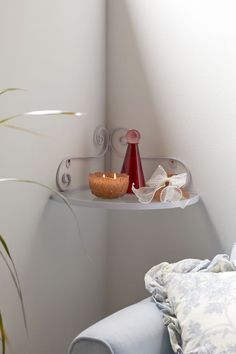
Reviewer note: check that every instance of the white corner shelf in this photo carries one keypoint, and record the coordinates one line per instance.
(84, 198)
(67, 179)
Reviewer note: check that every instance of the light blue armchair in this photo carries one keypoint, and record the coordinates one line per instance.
(137, 329)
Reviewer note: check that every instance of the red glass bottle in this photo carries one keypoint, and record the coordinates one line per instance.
(132, 165)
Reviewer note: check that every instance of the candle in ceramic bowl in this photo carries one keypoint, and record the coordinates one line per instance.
(108, 185)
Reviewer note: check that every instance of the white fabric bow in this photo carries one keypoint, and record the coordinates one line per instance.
(171, 193)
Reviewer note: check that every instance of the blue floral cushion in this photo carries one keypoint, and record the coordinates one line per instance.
(198, 301)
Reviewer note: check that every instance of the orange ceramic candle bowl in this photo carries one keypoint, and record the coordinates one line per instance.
(108, 185)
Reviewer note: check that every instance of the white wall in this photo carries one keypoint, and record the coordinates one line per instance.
(56, 50)
(171, 74)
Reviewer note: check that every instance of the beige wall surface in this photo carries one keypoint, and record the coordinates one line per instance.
(171, 74)
(55, 50)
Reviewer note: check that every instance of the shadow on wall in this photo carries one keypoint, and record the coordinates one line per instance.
(139, 240)
(67, 273)
(129, 99)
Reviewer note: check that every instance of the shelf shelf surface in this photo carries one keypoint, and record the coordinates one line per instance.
(84, 198)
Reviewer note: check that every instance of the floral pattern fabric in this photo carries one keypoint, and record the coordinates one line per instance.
(198, 301)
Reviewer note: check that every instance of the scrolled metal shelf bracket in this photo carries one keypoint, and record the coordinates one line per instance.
(114, 142)
(101, 138)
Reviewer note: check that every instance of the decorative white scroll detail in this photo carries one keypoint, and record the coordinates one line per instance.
(170, 193)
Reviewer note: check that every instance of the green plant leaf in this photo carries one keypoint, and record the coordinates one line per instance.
(8, 259)
(13, 272)
(15, 127)
(42, 113)
(4, 121)
(3, 335)
(14, 276)
(29, 181)
(61, 196)
(3, 242)
(2, 91)
(53, 112)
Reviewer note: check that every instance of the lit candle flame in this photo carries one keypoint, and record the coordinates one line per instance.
(103, 176)
(115, 176)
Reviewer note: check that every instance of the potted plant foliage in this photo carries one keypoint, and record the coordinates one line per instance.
(4, 249)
